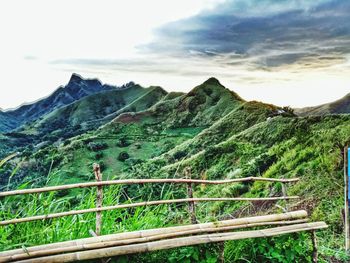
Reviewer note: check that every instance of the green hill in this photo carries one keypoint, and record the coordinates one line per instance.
(92, 111)
(337, 107)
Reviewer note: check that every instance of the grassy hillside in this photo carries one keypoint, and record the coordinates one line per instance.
(91, 111)
(202, 106)
(219, 136)
(339, 106)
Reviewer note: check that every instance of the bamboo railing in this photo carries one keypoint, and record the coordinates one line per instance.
(142, 181)
(161, 238)
(99, 198)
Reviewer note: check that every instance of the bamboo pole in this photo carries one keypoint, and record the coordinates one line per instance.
(314, 247)
(295, 215)
(99, 198)
(147, 203)
(80, 247)
(140, 181)
(284, 193)
(174, 243)
(191, 205)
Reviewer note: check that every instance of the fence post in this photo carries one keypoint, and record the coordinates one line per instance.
(284, 192)
(314, 247)
(99, 198)
(191, 206)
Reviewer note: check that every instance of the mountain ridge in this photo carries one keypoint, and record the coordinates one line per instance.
(75, 89)
(340, 106)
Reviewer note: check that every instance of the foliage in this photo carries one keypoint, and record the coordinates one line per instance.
(123, 156)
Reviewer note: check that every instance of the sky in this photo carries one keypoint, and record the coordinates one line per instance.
(287, 52)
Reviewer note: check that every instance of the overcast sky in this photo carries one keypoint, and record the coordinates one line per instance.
(286, 52)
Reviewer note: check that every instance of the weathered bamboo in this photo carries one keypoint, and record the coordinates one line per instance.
(99, 198)
(191, 205)
(140, 181)
(314, 247)
(111, 243)
(284, 193)
(147, 203)
(175, 242)
(295, 215)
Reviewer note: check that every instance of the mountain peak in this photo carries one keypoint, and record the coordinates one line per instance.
(75, 78)
(212, 81)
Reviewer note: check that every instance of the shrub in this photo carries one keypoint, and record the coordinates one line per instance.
(97, 146)
(123, 156)
(98, 155)
(123, 142)
(179, 155)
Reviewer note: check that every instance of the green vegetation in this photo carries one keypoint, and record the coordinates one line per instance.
(219, 136)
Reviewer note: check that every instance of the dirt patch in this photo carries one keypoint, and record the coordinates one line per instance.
(131, 117)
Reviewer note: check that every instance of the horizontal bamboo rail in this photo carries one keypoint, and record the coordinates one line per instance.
(296, 216)
(174, 243)
(142, 240)
(159, 202)
(141, 181)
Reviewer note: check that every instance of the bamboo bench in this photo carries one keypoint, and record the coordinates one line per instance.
(163, 238)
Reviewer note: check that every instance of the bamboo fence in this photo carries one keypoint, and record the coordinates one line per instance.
(154, 239)
(142, 181)
(146, 203)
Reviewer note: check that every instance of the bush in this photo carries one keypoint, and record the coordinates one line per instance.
(179, 155)
(97, 146)
(123, 142)
(123, 156)
(98, 155)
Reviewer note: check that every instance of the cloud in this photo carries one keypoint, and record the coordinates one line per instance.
(264, 34)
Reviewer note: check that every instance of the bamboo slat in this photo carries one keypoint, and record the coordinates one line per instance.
(174, 243)
(99, 198)
(141, 181)
(159, 202)
(111, 243)
(295, 215)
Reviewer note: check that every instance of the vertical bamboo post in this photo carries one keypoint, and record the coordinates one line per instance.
(99, 198)
(191, 206)
(346, 196)
(284, 193)
(314, 247)
(222, 252)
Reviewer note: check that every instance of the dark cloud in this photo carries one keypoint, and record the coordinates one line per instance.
(267, 34)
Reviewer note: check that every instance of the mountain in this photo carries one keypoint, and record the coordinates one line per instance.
(202, 106)
(337, 107)
(92, 111)
(76, 89)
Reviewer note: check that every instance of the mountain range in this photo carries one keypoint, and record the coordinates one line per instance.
(138, 132)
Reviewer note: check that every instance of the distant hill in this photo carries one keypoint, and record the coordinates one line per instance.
(337, 107)
(92, 111)
(202, 106)
(76, 89)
